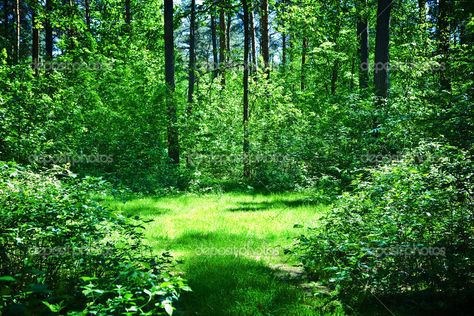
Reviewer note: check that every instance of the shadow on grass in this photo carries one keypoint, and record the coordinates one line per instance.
(230, 285)
(274, 204)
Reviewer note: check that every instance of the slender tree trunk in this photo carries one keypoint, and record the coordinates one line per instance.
(35, 42)
(222, 43)
(363, 36)
(382, 40)
(304, 48)
(229, 22)
(334, 76)
(88, 14)
(214, 46)
(128, 14)
(443, 43)
(172, 129)
(246, 143)
(254, 66)
(18, 31)
(264, 35)
(192, 54)
(48, 30)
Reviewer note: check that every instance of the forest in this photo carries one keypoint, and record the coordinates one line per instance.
(236, 157)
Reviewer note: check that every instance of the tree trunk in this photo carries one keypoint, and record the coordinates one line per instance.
(192, 53)
(215, 61)
(88, 14)
(304, 48)
(443, 43)
(246, 143)
(363, 36)
(48, 29)
(35, 42)
(18, 31)
(283, 48)
(172, 129)
(382, 39)
(264, 35)
(254, 66)
(229, 21)
(6, 29)
(222, 43)
(128, 16)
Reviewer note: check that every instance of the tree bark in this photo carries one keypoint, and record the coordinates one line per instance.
(88, 14)
(304, 48)
(35, 42)
(246, 142)
(222, 42)
(443, 43)
(363, 36)
(172, 129)
(264, 35)
(215, 59)
(48, 29)
(382, 40)
(229, 21)
(254, 66)
(192, 53)
(18, 31)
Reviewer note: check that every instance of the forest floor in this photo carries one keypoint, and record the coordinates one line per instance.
(231, 249)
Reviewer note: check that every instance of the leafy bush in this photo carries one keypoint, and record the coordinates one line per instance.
(407, 228)
(52, 234)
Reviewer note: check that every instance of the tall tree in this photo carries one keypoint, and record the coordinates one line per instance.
(229, 23)
(87, 7)
(264, 37)
(48, 31)
(304, 48)
(215, 60)
(172, 129)
(444, 7)
(382, 40)
(192, 53)
(254, 65)
(222, 41)
(35, 42)
(18, 31)
(363, 36)
(246, 143)
(128, 14)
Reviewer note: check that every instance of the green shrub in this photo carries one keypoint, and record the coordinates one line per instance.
(53, 235)
(407, 228)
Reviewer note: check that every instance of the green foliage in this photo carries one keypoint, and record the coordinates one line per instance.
(52, 233)
(406, 228)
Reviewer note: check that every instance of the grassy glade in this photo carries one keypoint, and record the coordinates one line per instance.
(406, 229)
(63, 252)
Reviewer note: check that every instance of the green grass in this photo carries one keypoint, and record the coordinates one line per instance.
(230, 245)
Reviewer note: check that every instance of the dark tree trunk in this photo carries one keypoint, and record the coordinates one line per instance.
(334, 76)
(246, 143)
(253, 42)
(363, 36)
(443, 43)
(264, 35)
(128, 15)
(172, 129)
(18, 31)
(192, 53)
(304, 48)
(215, 61)
(35, 42)
(88, 14)
(48, 30)
(222, 43)
(382, 39)
(229, 21)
